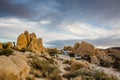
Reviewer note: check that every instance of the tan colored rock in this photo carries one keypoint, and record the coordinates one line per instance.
(30, 42)
(76, 46)
(47, 55)
(22, 65)
(1, 45)
(21, 41)
(85, 49)
(33, 44)
(79, 64)
(94, 60)
(26, 33)
(103, 56)
(20, 55)
(8, 69)
(40, 44)
(68, 48)
(9, 44)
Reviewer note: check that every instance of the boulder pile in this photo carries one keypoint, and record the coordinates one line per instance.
(29, 41)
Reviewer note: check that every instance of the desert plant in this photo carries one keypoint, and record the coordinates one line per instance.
(6, 52)
(5, 46)
(116, 64)
(105, 63)
(44, 66)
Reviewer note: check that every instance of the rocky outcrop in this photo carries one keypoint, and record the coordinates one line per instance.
(105, 60)
(21, 42)
(68, 48)
(1, 45)
(9, 45)
(13, 68)
(22, 66)
(26, 33)
(95, 60)
(76, 46)
(40, 44)
(33, 44)
(84, 49)
(29, 41)
(8, 69)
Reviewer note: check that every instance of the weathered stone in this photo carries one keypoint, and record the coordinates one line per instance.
(21, 41)
(94, 60)
(40, 44)
(85, 49)
(29, 42)
(8, 69)
(22, 66)
(68, 48)
(1, 45)
(76, 46)
(26, 33)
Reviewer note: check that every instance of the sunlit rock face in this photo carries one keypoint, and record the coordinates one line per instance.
(1, 46)
(84, 48)
(29, 41)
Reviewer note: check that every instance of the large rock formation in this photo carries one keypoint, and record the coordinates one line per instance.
(1, 45)
(84, 49)
(13, 68)
(40, 45)
(21, 41)
(29, 41)
(33, 44)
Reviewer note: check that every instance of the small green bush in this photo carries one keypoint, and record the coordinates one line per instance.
(6, 52)
(116, 64)
(105, 63)
(5, 46)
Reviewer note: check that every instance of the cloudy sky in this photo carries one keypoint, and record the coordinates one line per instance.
(62, 22)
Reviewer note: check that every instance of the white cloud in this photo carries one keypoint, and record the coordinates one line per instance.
(45, 22)
(85, 30)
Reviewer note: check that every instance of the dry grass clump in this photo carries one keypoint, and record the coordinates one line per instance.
(6, 52)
